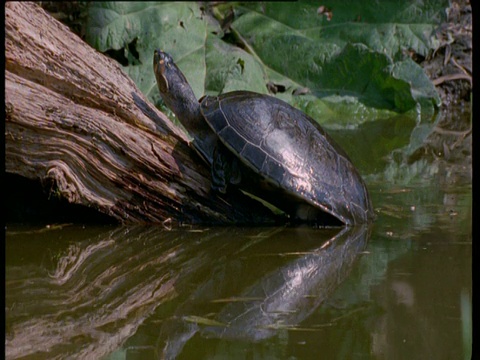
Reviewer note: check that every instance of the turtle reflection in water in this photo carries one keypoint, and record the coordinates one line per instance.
(269, 149)
(277, 291)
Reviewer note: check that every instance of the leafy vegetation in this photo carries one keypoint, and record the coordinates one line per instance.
(357, 58)
(343, 63)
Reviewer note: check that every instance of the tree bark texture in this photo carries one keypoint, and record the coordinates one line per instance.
(75, 119)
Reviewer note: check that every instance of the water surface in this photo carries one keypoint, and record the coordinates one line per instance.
(400, 289)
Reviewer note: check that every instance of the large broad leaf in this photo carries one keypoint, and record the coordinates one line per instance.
(185, 32)
(177, 27)
(361, 84)
(387, 26)
(355, 54)
(230, 68)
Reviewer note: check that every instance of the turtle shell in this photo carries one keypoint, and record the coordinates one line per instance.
(291, 151)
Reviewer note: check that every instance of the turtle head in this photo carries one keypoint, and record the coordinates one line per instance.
(163, 66)
(170, 79)
(174, 87)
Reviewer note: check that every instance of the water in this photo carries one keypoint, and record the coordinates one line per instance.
(400, 289)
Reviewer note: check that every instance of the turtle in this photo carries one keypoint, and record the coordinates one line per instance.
(269, 149)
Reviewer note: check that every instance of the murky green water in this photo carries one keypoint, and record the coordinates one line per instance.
(401, 289)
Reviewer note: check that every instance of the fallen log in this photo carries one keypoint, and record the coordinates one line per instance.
(74, 119)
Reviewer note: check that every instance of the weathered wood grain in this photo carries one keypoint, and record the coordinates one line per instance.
(74, 117)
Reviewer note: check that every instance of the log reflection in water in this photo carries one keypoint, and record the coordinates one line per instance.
(98, 292)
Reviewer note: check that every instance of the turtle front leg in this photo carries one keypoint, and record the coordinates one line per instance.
(225, 169)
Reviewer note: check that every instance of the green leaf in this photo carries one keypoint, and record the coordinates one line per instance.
(350, 57)
(182, 29)
(344, 68)
(179, 28)
(230, 68)
(387, 26)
